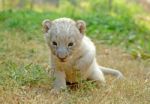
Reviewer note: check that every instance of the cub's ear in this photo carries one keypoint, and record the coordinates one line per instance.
(46, 25)
(81, 25)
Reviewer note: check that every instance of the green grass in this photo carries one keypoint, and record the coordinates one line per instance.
(121, 26)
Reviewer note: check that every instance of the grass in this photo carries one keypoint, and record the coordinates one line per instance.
(122, 40)
(128, 30)
(24, 78)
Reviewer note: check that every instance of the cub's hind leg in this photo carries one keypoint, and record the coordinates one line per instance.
(96, 75)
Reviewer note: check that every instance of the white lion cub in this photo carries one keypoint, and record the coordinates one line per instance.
(73, 54)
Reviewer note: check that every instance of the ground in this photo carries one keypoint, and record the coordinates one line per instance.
(24, 77)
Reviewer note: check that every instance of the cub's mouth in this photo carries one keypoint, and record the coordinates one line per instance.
(62, 59)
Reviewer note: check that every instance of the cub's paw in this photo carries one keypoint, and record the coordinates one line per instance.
(55, 92)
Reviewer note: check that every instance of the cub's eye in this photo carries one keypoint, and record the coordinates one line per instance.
(54, 43)
(70, 44)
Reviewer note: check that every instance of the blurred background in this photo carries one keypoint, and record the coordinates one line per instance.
(125, 23)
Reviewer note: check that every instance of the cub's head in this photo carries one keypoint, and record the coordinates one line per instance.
(63, 36)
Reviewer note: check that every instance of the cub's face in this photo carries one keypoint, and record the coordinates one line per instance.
(64, 37)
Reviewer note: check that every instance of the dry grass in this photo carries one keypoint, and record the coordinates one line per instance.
(22, 51)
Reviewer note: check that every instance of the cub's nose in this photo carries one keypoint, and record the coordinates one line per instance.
(62, 56)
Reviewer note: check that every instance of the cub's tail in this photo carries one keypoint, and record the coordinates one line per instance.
(113, 72)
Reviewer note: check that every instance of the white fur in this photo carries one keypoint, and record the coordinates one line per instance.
(82, 64)
(86, 66)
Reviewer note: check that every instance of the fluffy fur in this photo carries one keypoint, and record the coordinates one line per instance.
(73, 53)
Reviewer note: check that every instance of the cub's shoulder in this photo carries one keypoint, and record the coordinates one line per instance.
(88, 44)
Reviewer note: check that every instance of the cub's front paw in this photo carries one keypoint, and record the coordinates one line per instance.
(55, 92)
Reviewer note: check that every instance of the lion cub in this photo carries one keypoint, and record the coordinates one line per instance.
(73, 54)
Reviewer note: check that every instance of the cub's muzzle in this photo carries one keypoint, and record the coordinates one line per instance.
(62, 53)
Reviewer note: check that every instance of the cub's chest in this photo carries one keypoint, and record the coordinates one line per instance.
(72, 74)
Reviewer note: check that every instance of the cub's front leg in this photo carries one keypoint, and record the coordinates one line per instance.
(60, 80)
